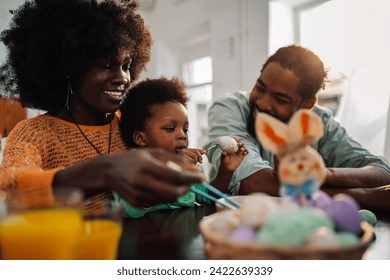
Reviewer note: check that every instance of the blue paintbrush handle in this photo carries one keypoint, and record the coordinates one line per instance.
(221, 194)
(206, 195)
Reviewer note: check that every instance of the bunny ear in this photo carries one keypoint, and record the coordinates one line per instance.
(305, 125)
(270, 132)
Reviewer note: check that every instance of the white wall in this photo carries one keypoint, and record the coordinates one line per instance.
(5, 18)
(255, 41)
(281, 26)
(356, 42)
(358, 33)
(234, 32)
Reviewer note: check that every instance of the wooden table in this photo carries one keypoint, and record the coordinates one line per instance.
(174, 235)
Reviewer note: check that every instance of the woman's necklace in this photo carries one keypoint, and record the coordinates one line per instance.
(86, 138)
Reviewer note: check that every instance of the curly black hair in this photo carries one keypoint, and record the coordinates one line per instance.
(305, 64)
(51, 40)
(136, 107)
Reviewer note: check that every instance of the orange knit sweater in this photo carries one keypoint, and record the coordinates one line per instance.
(39, 147)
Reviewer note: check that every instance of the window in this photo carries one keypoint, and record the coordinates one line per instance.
(198, 76)
(347, 35)
(352, 38)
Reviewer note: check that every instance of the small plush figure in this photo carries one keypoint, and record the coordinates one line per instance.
(301, 170)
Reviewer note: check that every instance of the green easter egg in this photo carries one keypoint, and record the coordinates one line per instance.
(293, 228)
(368, 216)
(346, 238)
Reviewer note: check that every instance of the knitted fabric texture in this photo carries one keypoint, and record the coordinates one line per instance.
(39, 147)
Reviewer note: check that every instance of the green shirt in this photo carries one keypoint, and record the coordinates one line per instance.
(187, 200)
(228, 116)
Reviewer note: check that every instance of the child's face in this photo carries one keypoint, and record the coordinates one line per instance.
(168, 127)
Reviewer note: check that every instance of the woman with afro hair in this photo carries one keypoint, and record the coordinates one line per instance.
(76, 60)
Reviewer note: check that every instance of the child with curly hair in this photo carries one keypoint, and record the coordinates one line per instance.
(154, 115)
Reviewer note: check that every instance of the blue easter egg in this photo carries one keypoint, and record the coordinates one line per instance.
(368, 216)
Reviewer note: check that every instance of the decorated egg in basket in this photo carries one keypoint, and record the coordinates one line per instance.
(232, 239)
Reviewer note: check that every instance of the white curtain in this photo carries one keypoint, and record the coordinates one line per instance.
(364, 108)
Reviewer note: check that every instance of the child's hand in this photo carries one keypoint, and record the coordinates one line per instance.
(232, 161)
(192, 155)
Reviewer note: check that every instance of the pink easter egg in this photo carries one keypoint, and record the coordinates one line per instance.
(322, 237)
(243, 234)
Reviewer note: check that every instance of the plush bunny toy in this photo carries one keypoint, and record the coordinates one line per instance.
(301, 170)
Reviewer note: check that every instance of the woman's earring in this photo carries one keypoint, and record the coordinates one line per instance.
(69, 92)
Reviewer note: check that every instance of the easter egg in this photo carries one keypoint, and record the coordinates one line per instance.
(346, 238)
(348, 199)
(293, 228)
(225, 223)
(322, 237)
(257, 208)
(321, 200)
(286, 205)
(243, 234)
(345, 215)
(368, 216)
(227, 144)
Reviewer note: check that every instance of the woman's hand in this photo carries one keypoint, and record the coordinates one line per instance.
(142, 177)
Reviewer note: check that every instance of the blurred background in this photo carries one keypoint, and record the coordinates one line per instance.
(219, 46)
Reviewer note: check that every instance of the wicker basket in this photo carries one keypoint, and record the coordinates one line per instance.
(219, 246)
